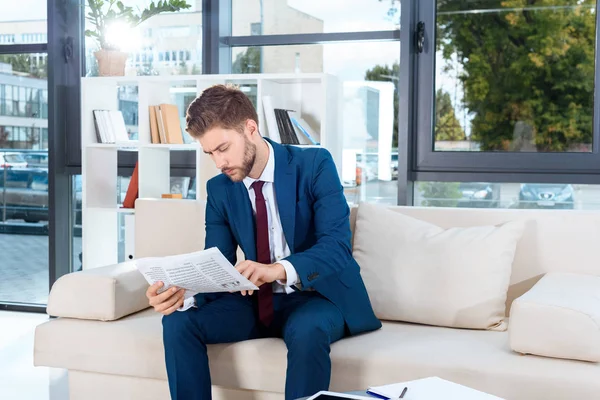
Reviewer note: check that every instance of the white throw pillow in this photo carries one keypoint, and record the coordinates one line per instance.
(558, 317)
(418, 272)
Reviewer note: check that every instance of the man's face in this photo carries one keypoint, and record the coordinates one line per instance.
(232, 152)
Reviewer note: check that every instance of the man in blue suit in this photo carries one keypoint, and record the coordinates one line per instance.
(285, 207)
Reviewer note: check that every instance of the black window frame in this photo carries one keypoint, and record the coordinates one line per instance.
(428, 164)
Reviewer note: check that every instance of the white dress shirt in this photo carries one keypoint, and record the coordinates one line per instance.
(277, 243)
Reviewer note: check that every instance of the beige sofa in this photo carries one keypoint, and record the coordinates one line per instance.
(111, 342)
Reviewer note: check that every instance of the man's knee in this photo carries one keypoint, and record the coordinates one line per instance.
(177, 326)
(306, 336)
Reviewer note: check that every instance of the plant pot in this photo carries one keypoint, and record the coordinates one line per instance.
(111, 62)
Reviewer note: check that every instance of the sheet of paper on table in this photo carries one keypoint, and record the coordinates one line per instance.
(432, 388)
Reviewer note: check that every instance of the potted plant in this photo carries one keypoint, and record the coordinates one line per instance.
(106, 14)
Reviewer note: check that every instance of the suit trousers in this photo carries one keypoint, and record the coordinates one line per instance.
(307, 322)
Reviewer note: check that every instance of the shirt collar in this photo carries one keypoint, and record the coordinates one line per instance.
(268, 174)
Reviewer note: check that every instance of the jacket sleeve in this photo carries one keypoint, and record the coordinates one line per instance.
(332, 250)
(218, 230)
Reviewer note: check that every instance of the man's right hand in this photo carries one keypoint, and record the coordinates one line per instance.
(168, 301)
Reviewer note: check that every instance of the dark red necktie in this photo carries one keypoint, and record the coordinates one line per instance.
(263, 254)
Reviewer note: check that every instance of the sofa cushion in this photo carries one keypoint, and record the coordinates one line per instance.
(559, 317)
(553, 241)
(418, 272)
(483, 360)
(104, 293)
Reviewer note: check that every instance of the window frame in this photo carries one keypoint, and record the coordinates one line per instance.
(513, 166)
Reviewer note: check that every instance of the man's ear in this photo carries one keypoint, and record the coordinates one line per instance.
(252, 127)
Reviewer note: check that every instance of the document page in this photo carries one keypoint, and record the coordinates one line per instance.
(430, 388)
(205, 271)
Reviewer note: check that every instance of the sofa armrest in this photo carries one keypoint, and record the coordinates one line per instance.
(105, 293)
(558, 317)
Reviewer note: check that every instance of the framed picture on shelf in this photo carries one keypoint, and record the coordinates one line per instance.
(180, 184)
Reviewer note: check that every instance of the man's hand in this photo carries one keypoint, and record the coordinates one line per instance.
(168, 301)
(259, 274)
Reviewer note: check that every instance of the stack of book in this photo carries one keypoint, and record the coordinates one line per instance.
(287, 127)
(110, 126)
(164, 124)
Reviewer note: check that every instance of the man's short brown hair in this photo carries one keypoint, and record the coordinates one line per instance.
(219, 106)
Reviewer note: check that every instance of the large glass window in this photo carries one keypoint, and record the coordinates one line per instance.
(514, 76)
(170, 33)
(23, 178)
(270, 17)
(367, 73)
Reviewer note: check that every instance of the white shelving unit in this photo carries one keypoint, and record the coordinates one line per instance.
(317, 97)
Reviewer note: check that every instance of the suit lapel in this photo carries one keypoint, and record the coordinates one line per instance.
(285, 191)
(243, 219)
(285, 195)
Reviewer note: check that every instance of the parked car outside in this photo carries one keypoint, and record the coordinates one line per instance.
(546, 195)
(24, 194)
(36, 159)
(12, 159)
(479, 195)
(394, 166)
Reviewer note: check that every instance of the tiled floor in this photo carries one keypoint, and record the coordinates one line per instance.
(24, 267)
(19, 379)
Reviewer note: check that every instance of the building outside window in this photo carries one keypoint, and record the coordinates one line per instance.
(23, 103)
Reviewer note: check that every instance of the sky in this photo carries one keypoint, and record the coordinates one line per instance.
(350, 61)
(22, 10)
(349, 15)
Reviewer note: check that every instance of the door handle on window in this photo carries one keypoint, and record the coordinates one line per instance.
(420, 36)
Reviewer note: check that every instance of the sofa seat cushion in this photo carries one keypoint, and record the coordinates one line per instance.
(559, 317)
(132, 346)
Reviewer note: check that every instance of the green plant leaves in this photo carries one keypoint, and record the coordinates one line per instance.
(163, 6)
(103, 13)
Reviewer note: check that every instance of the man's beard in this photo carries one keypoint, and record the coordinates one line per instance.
(248, 162)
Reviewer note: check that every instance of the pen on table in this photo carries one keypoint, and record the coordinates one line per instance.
(403, 392)
(378, 395)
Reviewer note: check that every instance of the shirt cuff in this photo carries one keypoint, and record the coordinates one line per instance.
(290, 272)
(187, 304)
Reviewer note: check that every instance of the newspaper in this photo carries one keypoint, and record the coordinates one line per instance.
(205, 271)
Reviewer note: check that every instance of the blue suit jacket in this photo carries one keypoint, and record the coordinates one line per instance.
(315, 219)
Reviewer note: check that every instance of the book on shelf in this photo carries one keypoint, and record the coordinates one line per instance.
(164, 124)
(110, 126)
(303, 130)
(133, 189)
(154, 135)
(287, 126)
(273, 131)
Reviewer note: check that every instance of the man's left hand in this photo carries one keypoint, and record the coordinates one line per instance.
(259, 274)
